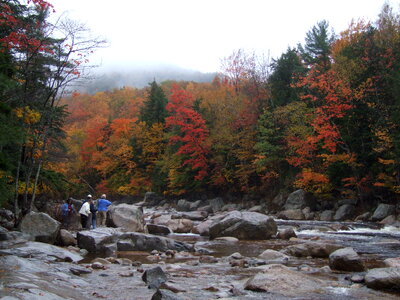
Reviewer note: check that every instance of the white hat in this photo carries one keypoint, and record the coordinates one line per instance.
(103, 196)
(89, 196)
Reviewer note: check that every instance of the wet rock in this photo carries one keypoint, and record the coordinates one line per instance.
(192, 215)
(291, 214)
(229, 207)
(79, 270)
(128, 217)
(298, 200)
(282, 280)
(216, 204)
(95, 240)
(109, 249)
(286, 233)
(229, 239)
(392, 262)
(313, 249)
(383, 278)
(125, 245)
(154, 277)
(344, 212)
(162, 220)
(389, 220)
(327, 215)
(382, 211)
(158, 229)
(203, 228)
(183, 205)
(43, 251)
(257, 208)
(6, 218)
(363, 217)
(357, 278)
(97, 266)
(235, 255)
(208, 259)
(67, 238)
(126, 274)
(180, 225)
(244, 225)
(195, 205)
(41, 226)
(172, 287)
(346, 259)
(165, 295)
(103, 261)
(272, 256)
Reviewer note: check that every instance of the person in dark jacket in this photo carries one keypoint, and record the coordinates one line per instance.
(93, 212)
(102, 206)
(67, 210)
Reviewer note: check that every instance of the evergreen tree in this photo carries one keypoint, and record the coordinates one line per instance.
(154, 110)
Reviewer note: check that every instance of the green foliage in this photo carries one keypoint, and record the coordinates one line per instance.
(154, 108)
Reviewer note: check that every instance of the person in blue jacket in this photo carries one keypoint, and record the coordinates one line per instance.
(67, 210)
(102, 207)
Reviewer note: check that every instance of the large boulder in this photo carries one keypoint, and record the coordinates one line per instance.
(291, 214)
(345, 212)
(244, 225)
(183, 205)
(216, 204)
(383, 278)
(382, 211)
(273, 256)
(66, 238)
(203, 228)
(180, 225)
(42, 251)
(6, 218)
(327, 215)
(41, 227)
(298, 200)
(128, 217)
(346, 259)
(101, 240)
(313, 249)
(154, 277)
(280, 280)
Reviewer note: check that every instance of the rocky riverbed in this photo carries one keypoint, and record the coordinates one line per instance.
(186, 253)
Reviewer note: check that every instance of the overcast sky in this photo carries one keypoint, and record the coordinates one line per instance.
(198, 34)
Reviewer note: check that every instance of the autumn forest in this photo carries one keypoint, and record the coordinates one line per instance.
(324, 117)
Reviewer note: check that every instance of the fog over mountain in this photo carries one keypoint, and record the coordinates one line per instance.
(139, 76)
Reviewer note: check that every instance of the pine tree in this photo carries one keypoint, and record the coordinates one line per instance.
(154, 110)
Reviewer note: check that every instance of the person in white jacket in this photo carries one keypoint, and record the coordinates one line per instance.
(85, 211)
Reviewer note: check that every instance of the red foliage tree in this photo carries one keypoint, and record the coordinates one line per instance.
(191, 131)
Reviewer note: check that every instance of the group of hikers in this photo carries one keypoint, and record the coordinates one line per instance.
(88, 212)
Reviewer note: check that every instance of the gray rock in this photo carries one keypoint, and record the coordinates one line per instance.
(162, 220)
(101, 239)
(382, 211)
(180, 225)
(347, 201)
(40, 226)
(327, 215)
(42, 251)
(79, 270)
(383, 278)
(298, 200)
(183, 205)
(125, 245)
(364, 217)
(344, 212)
(286, 233)
(313, 249)
(346, 259)
(279, 201)
(128, 217)
(195, 205)
(203, 228)
(257, 208)
(279, 279)
(67, 238)
(216, 204)
(389, 220)
(6, 218)
(244, 225)
(154, 277)
(392, 262)
(291, 214)
(229, 207)
(158, 229)
(206, 208)
(192, 215)
(165, 295)
(272, 256)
